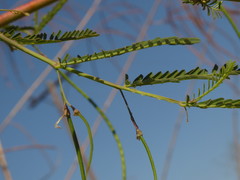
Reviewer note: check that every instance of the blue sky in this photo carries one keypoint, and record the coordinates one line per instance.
(204, 147)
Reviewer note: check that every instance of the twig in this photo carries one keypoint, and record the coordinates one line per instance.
(29, 7)
(230, 20)
(32, 146)
(18, 106)
(3, 164)
(130, 113)
(140, 137)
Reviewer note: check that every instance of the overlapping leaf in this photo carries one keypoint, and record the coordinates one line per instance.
(44, 38)
(133, 47)
(177, 76)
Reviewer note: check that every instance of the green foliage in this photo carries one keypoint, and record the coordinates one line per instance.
(49, 16)
(134, 47)
(212, 6)
(13, 36)
(11, 29)
(216, 103)
(177, 76)
(215, 78)
(212, 84)
(106, 120)
(43, 38)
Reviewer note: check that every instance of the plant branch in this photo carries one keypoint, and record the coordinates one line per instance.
(73, 133)
(96, 79)
(230, 20)
(76, 144)
(224, 75)
(78, 113)
(149, 156)
(139, 135)
(107, 121)
(3, 164)
(26, 50)
(29, 7)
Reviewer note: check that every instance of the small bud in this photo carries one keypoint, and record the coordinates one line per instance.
(139, 133)
(76, 112)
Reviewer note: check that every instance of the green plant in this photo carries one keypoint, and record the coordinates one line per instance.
(14, 37)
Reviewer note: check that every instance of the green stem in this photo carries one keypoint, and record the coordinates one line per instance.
(61, 89)
(77, 147)
(230, 20)
(90, 140)
(26, 50)
(107, 121)
(149, 156)
(72, 130)
(96, 79)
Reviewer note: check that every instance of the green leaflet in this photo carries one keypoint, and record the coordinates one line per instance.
(217, 103)
(134, 47)
(177, 76)
(49, 16)
(212, 6)
(44, 38)
(220, 76)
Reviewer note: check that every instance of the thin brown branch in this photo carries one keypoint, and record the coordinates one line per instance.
(33, 141)
(29, 7)
(56, 100)
(18, 106)
(32, 146)
(3, 164)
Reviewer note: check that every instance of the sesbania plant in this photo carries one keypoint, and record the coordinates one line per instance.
(16, 38)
